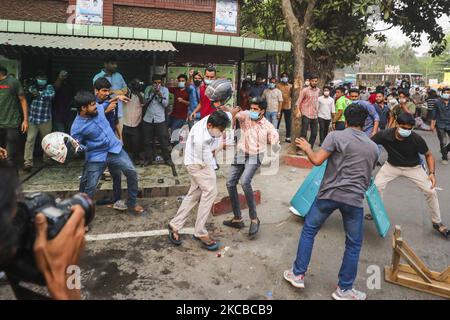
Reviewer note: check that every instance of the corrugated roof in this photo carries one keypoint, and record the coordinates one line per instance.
(81, 43)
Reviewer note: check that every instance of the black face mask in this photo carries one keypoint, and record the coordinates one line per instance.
(197, 82)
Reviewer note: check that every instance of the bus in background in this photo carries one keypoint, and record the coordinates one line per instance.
(373, 79)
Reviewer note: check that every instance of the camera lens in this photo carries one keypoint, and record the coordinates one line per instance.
(87, 204)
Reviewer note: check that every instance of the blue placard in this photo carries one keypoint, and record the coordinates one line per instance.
(307, 193)
(378, 211)
(304, 198)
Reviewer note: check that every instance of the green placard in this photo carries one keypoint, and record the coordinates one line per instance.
(13, 67)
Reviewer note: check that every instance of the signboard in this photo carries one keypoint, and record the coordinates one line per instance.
(226, 17)
(89, 12)
(447, 78)
(433, 82)
(391, 69)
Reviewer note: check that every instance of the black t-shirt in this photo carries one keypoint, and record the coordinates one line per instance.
(404, 153)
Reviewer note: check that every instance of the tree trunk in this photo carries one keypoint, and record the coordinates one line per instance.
(298, 33)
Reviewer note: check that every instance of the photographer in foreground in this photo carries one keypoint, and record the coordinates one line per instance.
(51, 257)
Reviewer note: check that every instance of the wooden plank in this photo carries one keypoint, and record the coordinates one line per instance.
(416, 258)
(414, 282)
(408, 269)
(444, 275)
(413, 264)
(396, 258)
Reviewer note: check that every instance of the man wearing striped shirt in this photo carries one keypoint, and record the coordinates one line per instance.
(308, 109)
(40, 116)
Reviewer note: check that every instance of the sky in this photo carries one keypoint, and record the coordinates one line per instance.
(396, 37)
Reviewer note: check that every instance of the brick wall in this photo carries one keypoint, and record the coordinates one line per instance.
(190, 5)
(32, 10)
(163, 19)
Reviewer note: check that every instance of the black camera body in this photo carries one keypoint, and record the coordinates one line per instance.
(23, 267)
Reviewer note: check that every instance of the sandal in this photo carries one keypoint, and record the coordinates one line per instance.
(172, 239)
(138, 209)
(368, 217)
(442, 229)
(234, 223)
(209, 244)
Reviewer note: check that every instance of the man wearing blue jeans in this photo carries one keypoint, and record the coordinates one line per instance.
(103, 149)
(256, 133)
(351, 158)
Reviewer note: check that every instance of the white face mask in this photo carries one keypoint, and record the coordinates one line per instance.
(307, 83)
(215, 133)
(326, 93)
(402, 100)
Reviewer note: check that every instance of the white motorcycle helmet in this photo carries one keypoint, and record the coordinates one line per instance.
(60, 146)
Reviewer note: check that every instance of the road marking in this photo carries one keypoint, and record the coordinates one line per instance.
(136, 234)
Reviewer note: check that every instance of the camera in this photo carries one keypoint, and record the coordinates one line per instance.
(23, 267)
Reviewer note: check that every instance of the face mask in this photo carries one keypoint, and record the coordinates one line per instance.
(445, 96)
(355, 101)
(402, 100)
(41, 82)
(284, 79)
(197, 82)
(215, 133)
(326, 93)
(248, 78)
(181, 84)
(307, 83)
(254, 115)
(404, 133)
(271, 85)
(208, 81)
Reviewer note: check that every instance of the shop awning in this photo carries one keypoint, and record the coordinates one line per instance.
(82, 43)
(116, 32)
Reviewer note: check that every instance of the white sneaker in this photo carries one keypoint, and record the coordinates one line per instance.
(444, 162)
(120, 205)
(296, 281)
(351, 294)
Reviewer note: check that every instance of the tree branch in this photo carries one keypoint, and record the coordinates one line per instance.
(384, 29)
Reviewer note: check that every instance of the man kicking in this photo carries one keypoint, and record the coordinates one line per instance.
(351, 158)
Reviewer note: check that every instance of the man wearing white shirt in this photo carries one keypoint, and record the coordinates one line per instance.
(326, 113)
(199, 161)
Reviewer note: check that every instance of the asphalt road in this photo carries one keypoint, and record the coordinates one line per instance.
(151, 268)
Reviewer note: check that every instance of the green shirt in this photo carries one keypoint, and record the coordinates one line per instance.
(397, 110)
(10, 114)
(341, 104)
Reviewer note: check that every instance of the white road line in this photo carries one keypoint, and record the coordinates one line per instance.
(136, 234)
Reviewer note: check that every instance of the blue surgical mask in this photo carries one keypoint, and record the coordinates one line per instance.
(355, 101)
(284, 79)
(254, 115)
(445, 96)
(272, 85)
(404, 133)
(208, 81)
(41, 82)
(181, 84)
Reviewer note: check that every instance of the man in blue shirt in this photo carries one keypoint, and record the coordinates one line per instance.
(40, 116)
(441, 123)
(102, 149)
(382, 109)
(118, 85)
(257, 89)
(195, 80)
(373, 119)
(154, 120)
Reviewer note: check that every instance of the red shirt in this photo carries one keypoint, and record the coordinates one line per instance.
(180, 109)
(206, 108)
